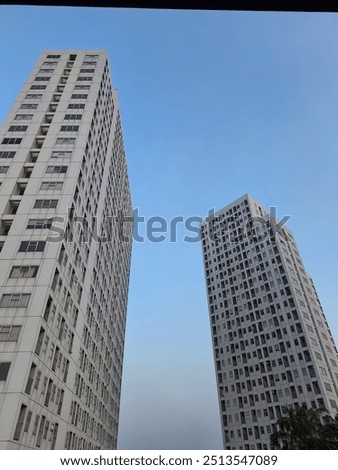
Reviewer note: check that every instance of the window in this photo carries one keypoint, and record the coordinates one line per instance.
(11, 141)
(36, 423)
(33, 96)
(38, 87)
(9, 333)
(91, 56)
(4, 368)
(50, 62)
(24, 271)
(29, 106)
(17, 128)
(79, 96)
(39, 223)
(3, 169)
(61, 154)
(50, 185)
(46, 70)
(76, 106)
(14, 300)
(82, 87)
(42, 79)
(87, 70)
(6, 154)
(65, 141)
(23, 117)
(89, 62)
(32, 246)
(312, 371)
(39, 436)
(53, 56)
(56, 169)
(69, 128)
(19, 423)
(84, 79)
(73, 117)
(28, 421)
(45, 203)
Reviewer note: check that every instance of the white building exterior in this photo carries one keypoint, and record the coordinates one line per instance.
(63, 297)
(272, 344)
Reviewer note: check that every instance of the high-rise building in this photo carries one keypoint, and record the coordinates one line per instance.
(65, 258)
(272, 344)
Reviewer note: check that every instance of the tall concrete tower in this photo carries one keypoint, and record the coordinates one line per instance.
(65, 258)
(272, 344)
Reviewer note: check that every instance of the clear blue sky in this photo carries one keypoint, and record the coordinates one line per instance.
(214, 105)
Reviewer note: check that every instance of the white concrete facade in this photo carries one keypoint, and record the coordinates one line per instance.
(272, 344)
(63, 293)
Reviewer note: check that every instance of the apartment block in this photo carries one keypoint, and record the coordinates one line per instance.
(272, 344)
(65, 257)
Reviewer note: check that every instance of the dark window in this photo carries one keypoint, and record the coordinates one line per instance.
(17, 128)
(65, 140)
(79, 96)
(38, 87)
(69, 128)
(7, 154)
(11, 141)
(32, 246)
(312, 372)
(45, 203)
(82, 87)
(19, 423)
(23, 117)
(33, 96)
(76, 106)
(4, 368)
(73, 117)
(39, 223)
(56, 169)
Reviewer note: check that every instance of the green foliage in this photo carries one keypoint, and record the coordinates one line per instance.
(305, 428)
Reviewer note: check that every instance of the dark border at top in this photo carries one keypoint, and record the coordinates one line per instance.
(232, 5)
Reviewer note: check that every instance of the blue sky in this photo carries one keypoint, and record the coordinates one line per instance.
(213, 105)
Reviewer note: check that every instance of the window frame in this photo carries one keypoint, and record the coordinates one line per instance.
(65, 141)
(39, 224)
(26, 246)
(69, 128)
(12, 334)
(52, 204)
(56, 169)
(7, 154)
(15, 300)
(34, 269)
(51, 188)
